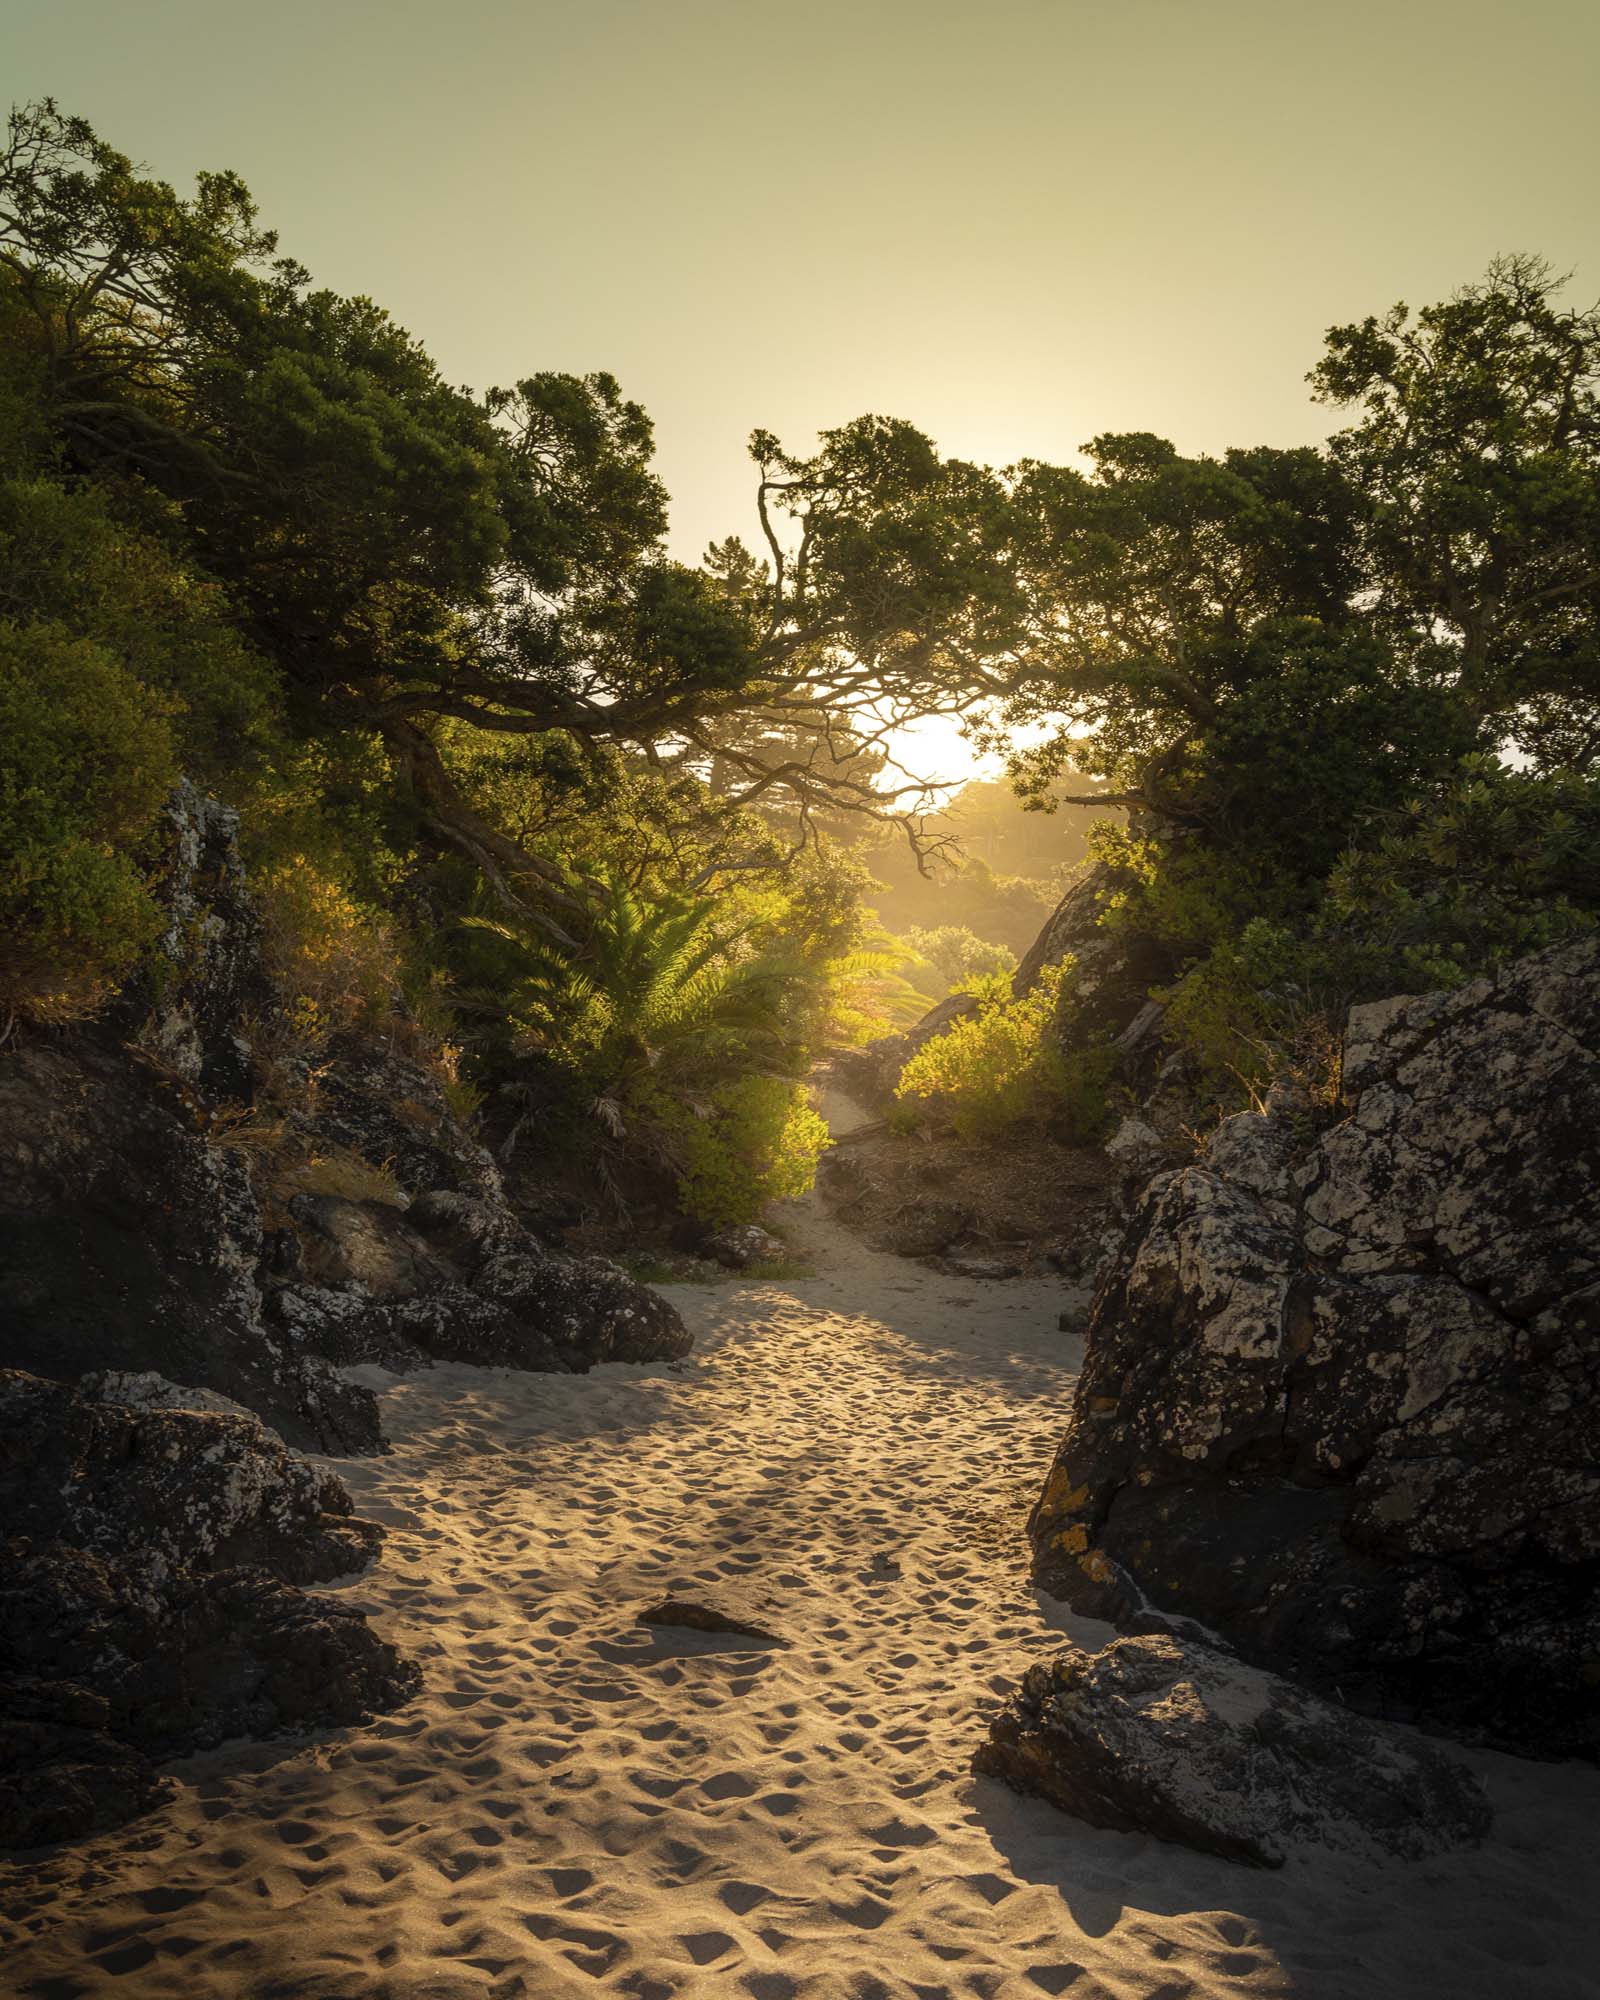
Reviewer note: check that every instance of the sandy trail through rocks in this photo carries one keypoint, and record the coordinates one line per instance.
(580, 1806)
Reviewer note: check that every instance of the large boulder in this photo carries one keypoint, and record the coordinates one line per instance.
(1180, 1740)
(119, 1466)
(148, 1599)
(1339, 1397)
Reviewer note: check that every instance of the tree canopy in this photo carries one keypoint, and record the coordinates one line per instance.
(250, 531)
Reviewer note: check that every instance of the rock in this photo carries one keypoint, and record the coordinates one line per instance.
(147, 1597)
(62, 1773)
(167, 1662)
(1132, 1141)
(202, 1488)
(376, 1101)
(1183, 1741)
(129, 1240)
(1339, 1402)
(132, 1237)
(695, 1616)
(588, 1308)
(992, 1268)
(365, 1243)
(455, 1278)
(1114, 970)
(745, 1244)
(213, 978)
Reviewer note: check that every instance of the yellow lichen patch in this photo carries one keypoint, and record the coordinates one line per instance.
(1073, 1541)
(1102, 1406)
(1060, 1495)
(1096, 1566)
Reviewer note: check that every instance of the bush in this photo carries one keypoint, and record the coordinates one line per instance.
(1004, 1065)
(1499, 864)
(957, 954)
(333, 958)
(66, 559)
(759, 1142)
(86, 760)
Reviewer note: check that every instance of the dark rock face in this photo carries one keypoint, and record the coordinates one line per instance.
(1339, 1402)
(379, 1102)
(107, 1467)
(129, 1240)
(1114, 970)
(131, 1229)
(459, 1279)
(1184, 1742)
(147, 1597)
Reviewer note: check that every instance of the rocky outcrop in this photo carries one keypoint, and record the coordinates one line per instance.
(130, 1239)
(1183, 1741)
(1339, 1400)
(122, 1466)
(137, 1231)
(459, 1279)
(1115, 969)
(148, 1599)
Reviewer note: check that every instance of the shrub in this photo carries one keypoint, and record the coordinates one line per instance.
(1499, 863)
(86, 759)
(67, 559)
(758, 1141)
(333, 958)
(1000, 1066)
(957, 954)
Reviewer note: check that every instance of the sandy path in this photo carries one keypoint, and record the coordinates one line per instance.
(580, 1806)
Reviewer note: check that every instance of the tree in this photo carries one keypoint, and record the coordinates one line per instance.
(408, 552)
(1476, 455)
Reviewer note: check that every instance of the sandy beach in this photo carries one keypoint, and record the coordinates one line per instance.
(582, 1805)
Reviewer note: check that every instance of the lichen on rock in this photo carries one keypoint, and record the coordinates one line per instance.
(1178, 1739)
(1339, 1400)
(149, 1600)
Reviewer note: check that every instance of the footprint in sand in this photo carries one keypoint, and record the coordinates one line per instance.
(547, 1820)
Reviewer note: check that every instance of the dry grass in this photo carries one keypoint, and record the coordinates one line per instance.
(284, 1163)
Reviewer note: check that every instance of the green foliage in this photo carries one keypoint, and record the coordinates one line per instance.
(86, 759)
(661, 988)
(682, 1032)
(334, 959)
(874, 989)
(754, 1139)
(1501, 863)
(66, 557)
(431, 642)
(1004, 1065)
(957, 955)
(1476, 451)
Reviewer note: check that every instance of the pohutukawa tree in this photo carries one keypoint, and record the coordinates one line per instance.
(1263, 648)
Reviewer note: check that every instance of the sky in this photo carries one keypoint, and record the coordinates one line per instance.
(1017, 223)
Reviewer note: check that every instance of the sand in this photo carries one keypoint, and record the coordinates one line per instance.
(582, 1806)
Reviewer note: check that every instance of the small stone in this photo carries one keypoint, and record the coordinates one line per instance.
(696, 1615)
(745, 1244)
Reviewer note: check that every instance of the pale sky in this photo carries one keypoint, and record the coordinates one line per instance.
(1016, 223)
